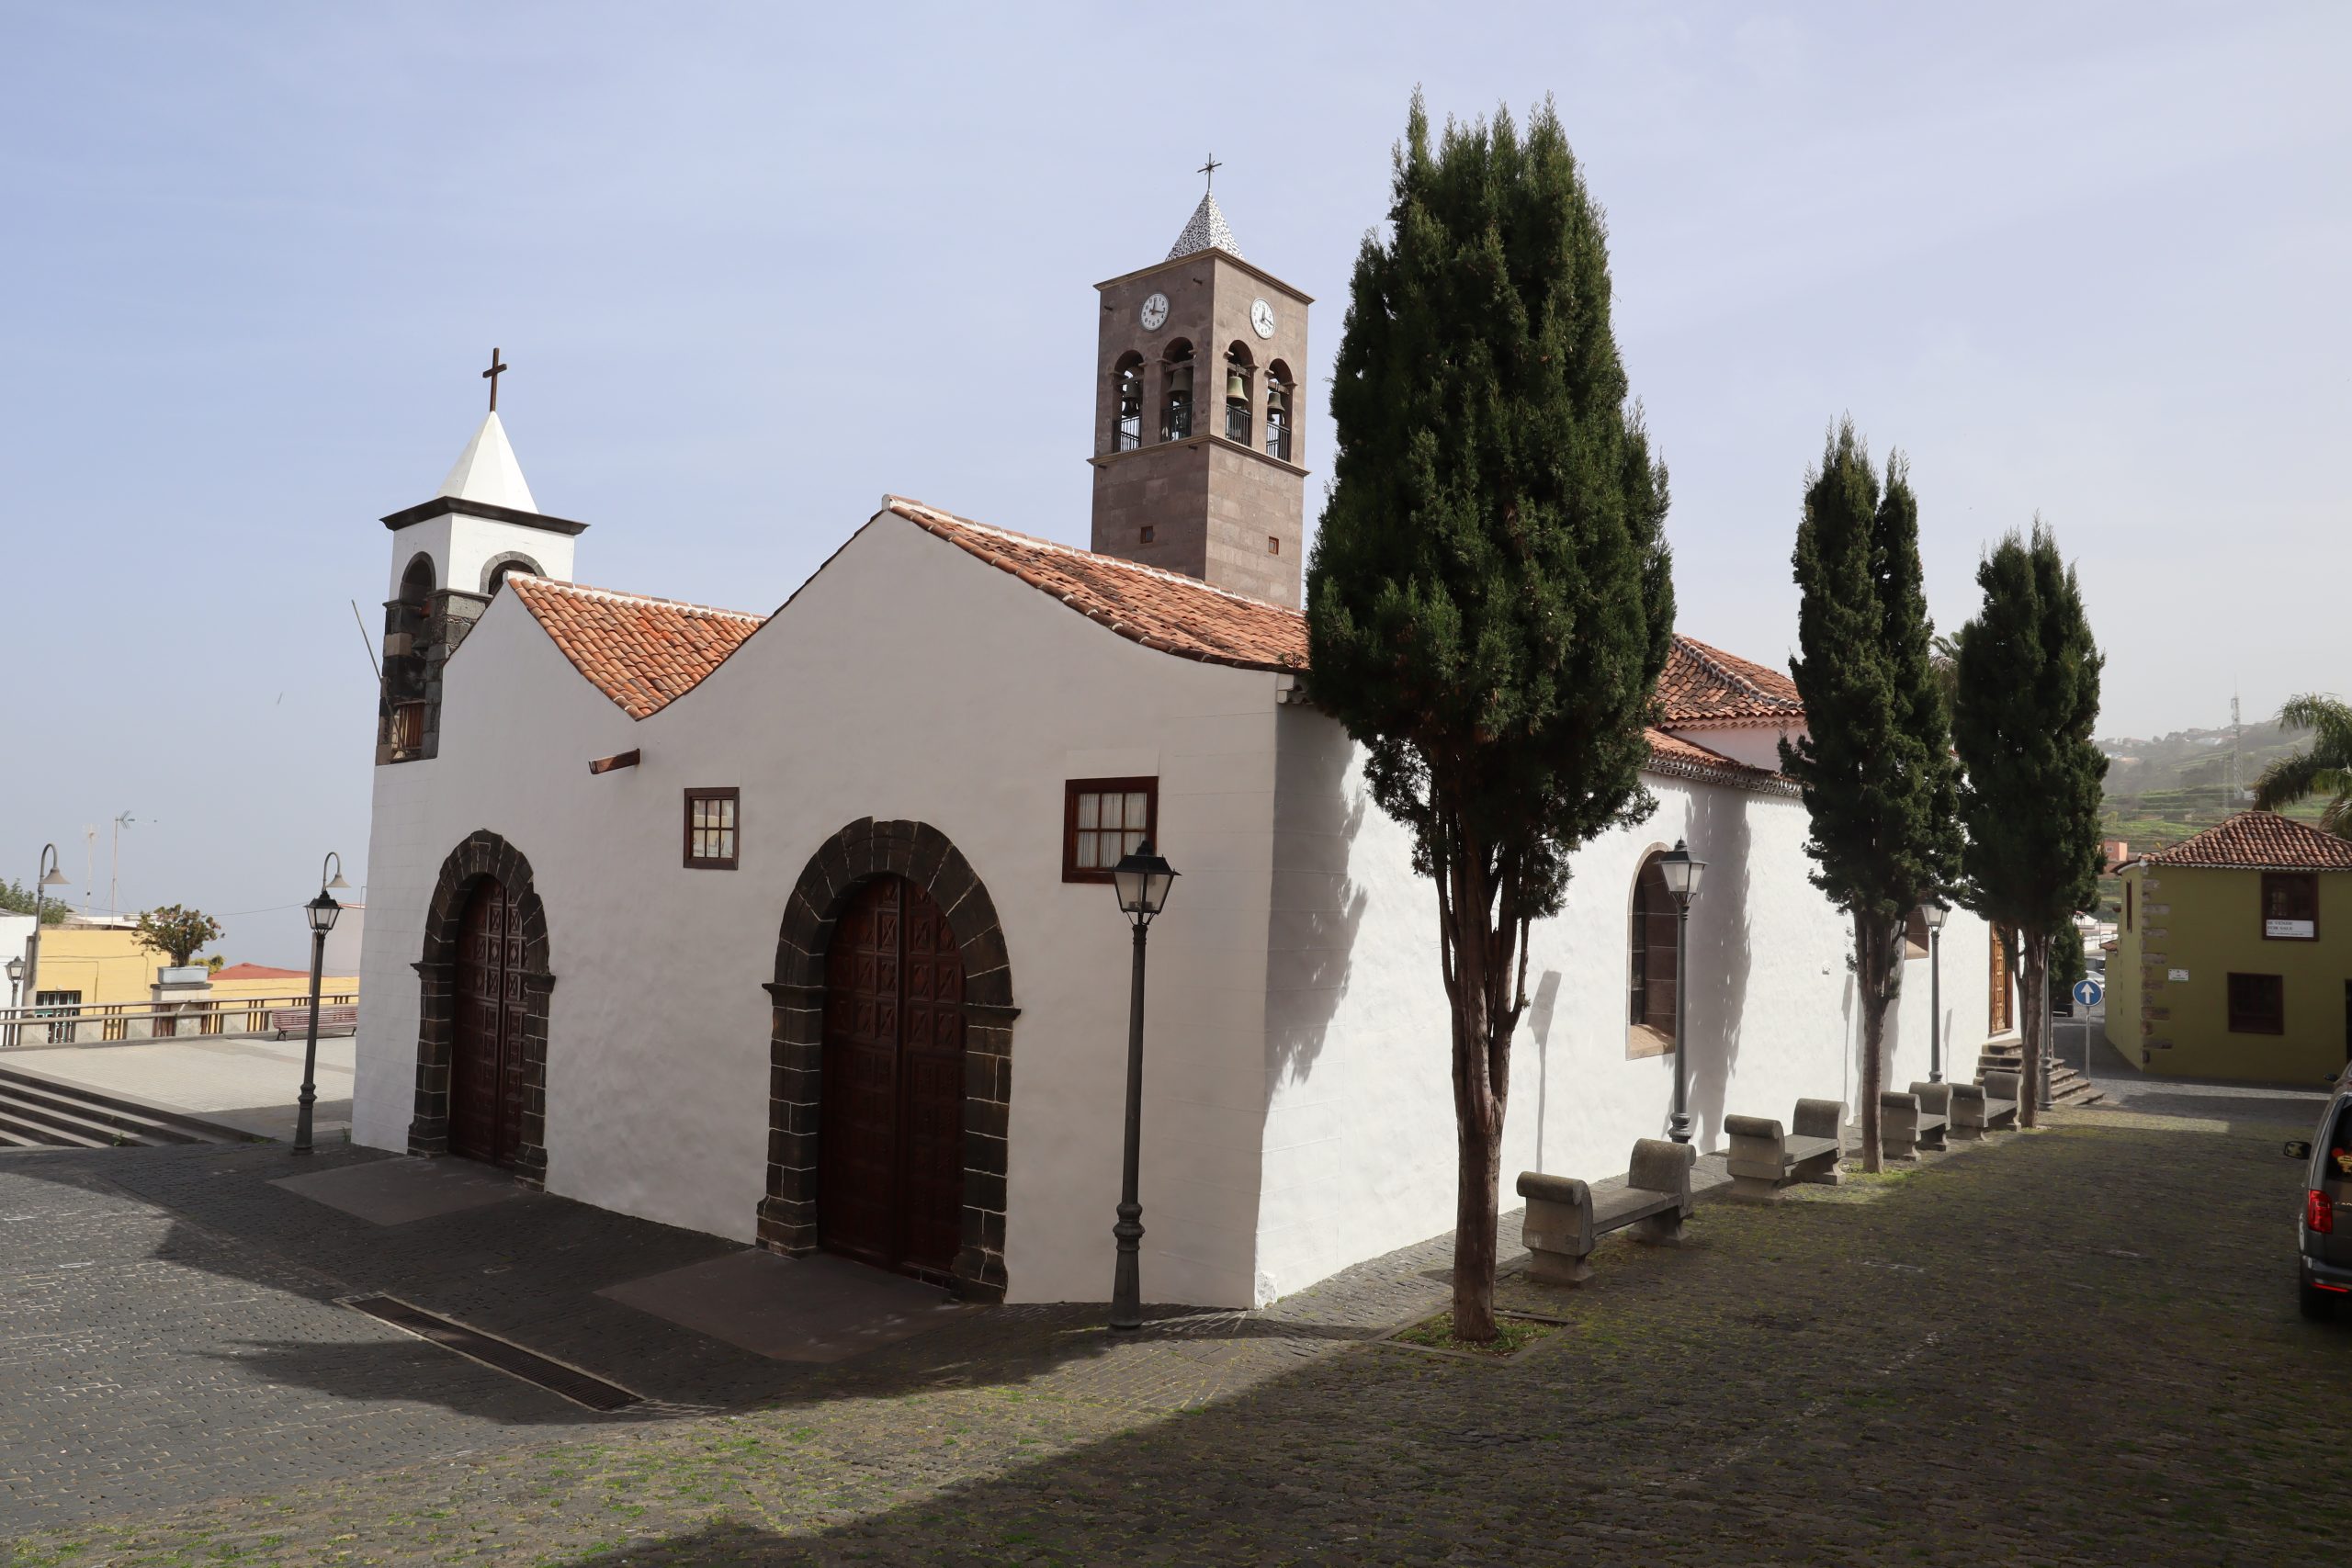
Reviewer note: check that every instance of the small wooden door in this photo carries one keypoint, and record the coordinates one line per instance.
(486, 1055)
(1998, 1011)
(890, 1143)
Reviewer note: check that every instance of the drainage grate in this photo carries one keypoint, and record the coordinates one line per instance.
(471, 1343)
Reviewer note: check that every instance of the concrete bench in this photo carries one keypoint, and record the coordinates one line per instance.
(1764, 1157)
(1906, 1125)
(1566, 1219)
(1989, 1107)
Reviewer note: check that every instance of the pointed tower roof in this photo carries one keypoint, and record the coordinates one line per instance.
(1205, 231)
(486, 471)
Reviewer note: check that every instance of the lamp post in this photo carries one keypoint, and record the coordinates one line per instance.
(322, 911)
(49, 876)
(16, 976)
(1934, 913)
(1682, 875)
(1141, 879)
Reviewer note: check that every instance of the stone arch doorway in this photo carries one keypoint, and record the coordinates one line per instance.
(890, 1060)
(482, 1019)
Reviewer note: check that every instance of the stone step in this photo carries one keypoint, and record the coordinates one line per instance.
(36, 1111)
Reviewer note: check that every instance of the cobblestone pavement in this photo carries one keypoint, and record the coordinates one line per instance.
(2074, 1346)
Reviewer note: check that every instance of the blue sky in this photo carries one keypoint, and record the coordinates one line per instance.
(754, 265)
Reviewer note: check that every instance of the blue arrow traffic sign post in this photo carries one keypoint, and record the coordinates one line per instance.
(2087, 993)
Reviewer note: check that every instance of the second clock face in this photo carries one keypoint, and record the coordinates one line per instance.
(1155, 313)
(1261, 318)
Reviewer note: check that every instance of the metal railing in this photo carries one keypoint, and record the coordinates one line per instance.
(1278, 441)
(1236, 423)
(111, 1024)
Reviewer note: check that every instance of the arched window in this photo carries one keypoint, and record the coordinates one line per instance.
(1279, 392)
(1176, 372)
(408, 630)
(1127, 402)
(493, 575)
(1238, 370)
(1650, 989)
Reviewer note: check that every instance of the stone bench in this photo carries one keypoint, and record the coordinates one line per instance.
(1990, 1107)
(1764, 1157)
(1906, 1124)
(1566, 1219)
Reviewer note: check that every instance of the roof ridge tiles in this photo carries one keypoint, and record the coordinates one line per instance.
(623, 596)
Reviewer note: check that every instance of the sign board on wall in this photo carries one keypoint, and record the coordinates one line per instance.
(2177, 975)
(2294, 931)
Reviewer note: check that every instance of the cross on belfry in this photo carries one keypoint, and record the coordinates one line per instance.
(496, 369)
(1210, 169)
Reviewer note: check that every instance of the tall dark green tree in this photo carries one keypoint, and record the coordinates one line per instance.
(1490, 601)
(1875, 759)
(2027, 701)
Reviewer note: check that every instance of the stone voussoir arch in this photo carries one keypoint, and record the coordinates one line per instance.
(482, 854)
(923, 856)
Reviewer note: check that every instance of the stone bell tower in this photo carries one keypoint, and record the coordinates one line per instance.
(450, 555)
(1199, 462)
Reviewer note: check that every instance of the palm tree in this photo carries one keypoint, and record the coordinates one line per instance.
(2323, 767)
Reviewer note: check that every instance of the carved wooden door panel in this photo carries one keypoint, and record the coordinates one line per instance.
(857, 1139)
(931, 1103)
(512, 1031)
(475, 1053)
(890, 1154)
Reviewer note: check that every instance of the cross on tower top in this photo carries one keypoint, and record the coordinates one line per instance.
(1210, 169)
(497, 368)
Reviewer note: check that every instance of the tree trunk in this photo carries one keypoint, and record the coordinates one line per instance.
(1481, 1083)
(2034, 988)
(1870, 984)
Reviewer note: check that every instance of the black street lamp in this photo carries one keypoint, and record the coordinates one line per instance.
(322, 911)
(1934, 913)
(47, 877)
(1682, 875)
(1142, 880)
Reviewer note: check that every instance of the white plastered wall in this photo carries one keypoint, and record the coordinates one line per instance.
(461, 545)
(1360, 1143)
(907, 680)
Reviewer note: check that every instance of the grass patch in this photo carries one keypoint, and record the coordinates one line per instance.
(1513, 1334)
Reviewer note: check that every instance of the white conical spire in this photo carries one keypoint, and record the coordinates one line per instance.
(486, 471)
(1205, 231)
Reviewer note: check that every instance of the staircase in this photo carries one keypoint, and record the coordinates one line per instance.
(37, 1112)
(2067, 1085)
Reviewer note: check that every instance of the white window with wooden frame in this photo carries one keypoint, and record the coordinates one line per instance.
(712, 829)
(1103, 819)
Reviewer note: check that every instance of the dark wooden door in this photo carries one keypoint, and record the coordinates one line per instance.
(486, 1055)
(890, 1151)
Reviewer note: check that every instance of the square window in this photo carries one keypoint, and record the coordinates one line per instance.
(1274, 545)
(1147, 533)
(1102, 820)
(711, 828)
(2290, 906)
(2257, 1004)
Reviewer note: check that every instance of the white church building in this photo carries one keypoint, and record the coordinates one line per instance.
(795, 926)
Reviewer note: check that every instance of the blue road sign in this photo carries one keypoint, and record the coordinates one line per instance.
(2088, 992)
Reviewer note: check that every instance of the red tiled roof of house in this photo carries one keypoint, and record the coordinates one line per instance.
(1163, 610)
(1676, 758)
(1703, 686)
(643, 653)
(2258, 841)
(258, 971)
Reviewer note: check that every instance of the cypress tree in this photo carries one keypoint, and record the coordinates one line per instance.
(1876, 761)
(2027, 699)
(1489, 599)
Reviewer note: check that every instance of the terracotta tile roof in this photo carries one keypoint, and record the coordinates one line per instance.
(1674, 757)
(258, 971)
(1164, 610)
(2258, 841)
(1703, 686)
(643, 653)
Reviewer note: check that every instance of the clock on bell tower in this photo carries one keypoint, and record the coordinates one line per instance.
(1199, 466)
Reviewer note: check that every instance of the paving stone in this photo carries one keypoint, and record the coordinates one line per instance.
(2072, 1346)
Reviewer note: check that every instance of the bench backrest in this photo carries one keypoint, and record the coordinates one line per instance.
(1822, 1119)
(1967, 1094)
(2001, 1086)
(1660, 1164)
(1753, 1127)
(1554, 1189)
(285, 1021)
(1935, 1098)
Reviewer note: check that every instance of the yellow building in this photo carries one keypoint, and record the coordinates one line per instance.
(98, 965)
(249, 982)
(2233, 955)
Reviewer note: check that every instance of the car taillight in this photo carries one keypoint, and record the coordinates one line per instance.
(2319, 1212)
